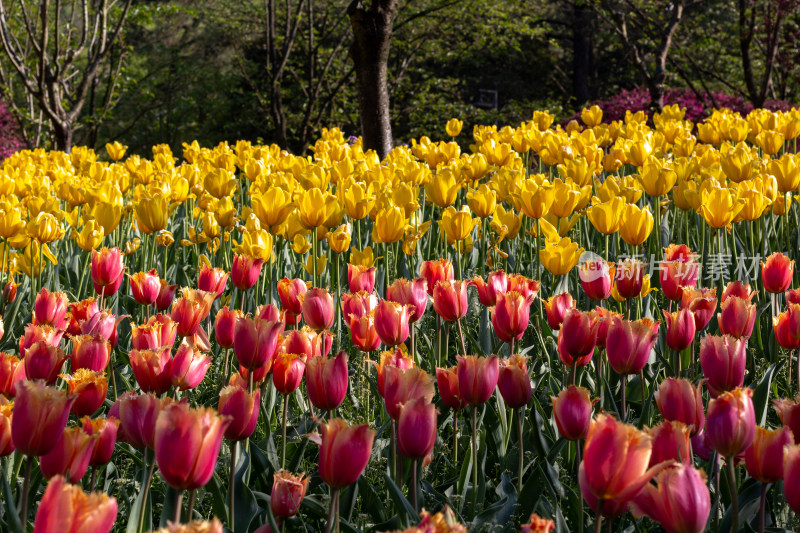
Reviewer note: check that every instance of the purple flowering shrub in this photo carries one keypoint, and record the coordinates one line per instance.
(11, 139)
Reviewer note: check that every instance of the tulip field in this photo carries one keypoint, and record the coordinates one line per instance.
(561, 327)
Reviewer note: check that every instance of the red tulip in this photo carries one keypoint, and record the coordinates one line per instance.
(344, 452)
(791, 476)
(572, 410)
(327, 380)
(679, 400)
(11, 371)
(671, 442)
(496, 284)
(287, 372)
(477, 378)
(679, 501)
(6, 415)
(50, 309)
(159, 331)
(524, 286)
(363, 332)
(577, 337)
(511, 315)
(556, 308)
(416, 428)
(66, 508)
(166, 293)
(245, 271)
(604, 320)
(189, 367)
(289, 291)
(242, 409)
(137, 415)
(514, 382)
(78, 312)
(107, 268)
(152, 369)
(537, 524)
(269, 312)
(35, 333)
(391, 322)
(792, 296)
(702, 303)
(436, 271)
(789, 413)
(675, 276)
(70, 455)
(360, 278)
(9, 292)
(40, 414)
(447, 381)
(397, 358)
(596, 278)
(629, 343)
(629, 278)
(256, 342)
(187, 443)
(43, 361)
(145, 287)
(737, 317)
(190, 310)
(786, 332)
(681, 328)
(307, 342)
(615, 461)
(361, 303)
(259, 374)
(90, 389)
(411, 293)
(450, 299)
(225, 326)
(212, 280)
(105, 430)
(764, 458)
(776, 273)
(403, 385)
(731, 422)
(288, 492)
(318, 309)
(723, 360)
(91, 352)
(739, 289)
(679, 252)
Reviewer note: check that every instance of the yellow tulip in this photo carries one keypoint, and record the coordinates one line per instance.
(443, 187)
(719, 206)
(339, 240)
(636, 224)
(506, 223)
(272, 207)
(592, 116)
(300, 244)
(737, 161)
(457, 225)
(390, 224)
(453, 127)
(31, 261)
(681, 196)
(358, 200)
(225, 213)
(658, 177)
(363, 257)
(578, 170)
(11, 223)
(561, 257)
(482, 201)
(782, 204)
(786, 172)
(256, 244)
(406, 196)
(313, 208)
(115, 150)
(543, 120)
(152, 213)
(708, 133)
(566, 197)
(535, 197)
(770, 141)
(638, 151)
(476, 167)
(684, 144)
(606, 217)
(90, 236)
(308, 266)
(45, 228)
(613, 160)
(165, 238)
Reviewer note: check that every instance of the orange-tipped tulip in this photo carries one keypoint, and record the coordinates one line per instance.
(344, 452)
(514, 382)
(450, 299)
(789, 414)
(671, 442)
(91, 352)
(145, 287)
(572, 410)
(245, 271)
(363, 333)
(225, 326)
(524, 286)
(791, 476)
(70, 456)
(738, 288)
(187, 443)
(40, 415)
(436, 271)
(403, 385)
(361, 303)
(159, 331)
(6, 414)
(105, 430)
(556, 308)
(511, 315)
(597, 278)
(776, 273)
(327, 380)
(242, 409)
(90, 389)
(212, 280)
(702, 303)
(391, 322)
(679, 500)
(737, 317)
(447, 382)
(629, 278)
(166, 294)
(409, 292)
(723, 360)
(680, 329)
(11, 371)
(50, 309)
(629, 343)
(477, 378)
(107, 267)
(360, 278)
(43, 361)
(416, 428)
(731, 422)
(137, 415)
(189, 367)
(675, 276)
(289, 291)
(681, 401)
(152, 369)
(318, 309)
(577, 337)
(287, 494)
(66, 508)
(398, 358)
(255, 342)
(764, 458)
(786, 331)
(190, 310)
(287, 372)
(495, 285)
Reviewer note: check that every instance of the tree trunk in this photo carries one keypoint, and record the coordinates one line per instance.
(581, 51)
(657, 88)
(62, 137)
(372, 32)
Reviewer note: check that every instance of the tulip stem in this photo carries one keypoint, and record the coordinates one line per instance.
(734, 496)
(475, 460)
(148, 478)
(461, 336)
(283, 430)
(455, 438)
(93, 483)
(190, 510)
(176, 519)
(393, 464)
(332, 513)
(572, 372)
(762, 508)
(598, 519)
(231, 486)
(577, 474)
(26, 483)
(521, 447)
(622, 386)
(413, 488)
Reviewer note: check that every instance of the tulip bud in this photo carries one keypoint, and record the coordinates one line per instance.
(90, 389)
(764, 458)
(496, 284)
(166, 293)
(596, 278)
(671, 442)
(327, 380)
(680, 329)
(391, 322)
(792, 296)
(10, 292)
(416, 428)
(11, 371)
(572, 410)
(50, 309)
(723, 360)
(66, 507)
(287, 372)
(737, 317)
(629, 344)
(105, 431)
(731, 422)
(679, 400)
(791, 476)
(436, 271)
(514, 382)
(187, 443)
(288, 492)
(477, 378)
(245, 271)
(43, 361)
(403, 385)
(679, 501)
(447, 381)
(242, 409)
(537, 524)
(776, 273)
(556, 308)
(70, 455)
(577, 337)
(289, 291)
(511, 315)
(137, 414)
(6, 414)
(145, 287)
(91, 352)
(629, 278)
(189, 367)
(363, 333)
(411, 293)
(360, 304)
(344, 452)
(738, 289)
(360, 278)
(702, 303)
(107, 269)
(212, 280)
(225, 326)
(450, 299)
(318, 309)
(256, 342)
(40, 415)
(789, 414)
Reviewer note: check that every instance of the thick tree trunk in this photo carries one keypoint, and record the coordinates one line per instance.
(581, 51)
(62, 137)
(372, 36)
